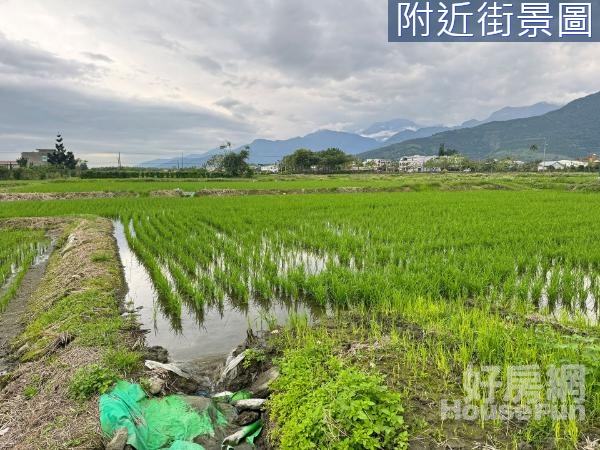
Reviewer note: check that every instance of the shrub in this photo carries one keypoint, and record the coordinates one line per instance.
(319, 402)
(92, 380)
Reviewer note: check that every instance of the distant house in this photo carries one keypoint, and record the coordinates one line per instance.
(562, 164)
(9, 164)
(37, 158)
(269, 168)
(415, 163)
(378, 164)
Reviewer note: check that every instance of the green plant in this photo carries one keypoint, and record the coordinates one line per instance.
(101, 257)
(320, 402)
(253, 356)
(122, 360)
(92, 380)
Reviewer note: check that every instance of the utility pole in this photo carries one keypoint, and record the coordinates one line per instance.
(119, 160)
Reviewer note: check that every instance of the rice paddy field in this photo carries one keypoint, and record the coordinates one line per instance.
(418, 287)
(18, 250)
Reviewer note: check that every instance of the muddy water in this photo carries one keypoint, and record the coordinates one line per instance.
(214, 336)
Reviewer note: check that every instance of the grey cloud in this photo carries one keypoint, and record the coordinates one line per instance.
(98, 57)
(207, 63)
(99, 124)
(24, 59)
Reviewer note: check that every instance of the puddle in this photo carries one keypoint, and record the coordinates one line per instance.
(202, 334)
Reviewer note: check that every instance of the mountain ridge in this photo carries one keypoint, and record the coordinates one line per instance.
(569, 132)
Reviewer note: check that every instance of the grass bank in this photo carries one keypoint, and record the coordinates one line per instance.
(74, 345)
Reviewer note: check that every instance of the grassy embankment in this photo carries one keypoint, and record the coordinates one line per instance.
(75, 344)
(296, 183)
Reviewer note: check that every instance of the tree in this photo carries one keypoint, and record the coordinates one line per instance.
(22, 162)
(60, 157)
(333, 159)
(449, 152)
(232, 164)
(302, 160)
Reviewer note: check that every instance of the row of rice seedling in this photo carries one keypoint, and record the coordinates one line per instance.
(349, 256)
(18, 250)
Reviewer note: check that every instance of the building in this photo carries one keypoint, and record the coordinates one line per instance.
(415, 163)
(270, 168)
(563, 164)
(9, 164)
(38, 157)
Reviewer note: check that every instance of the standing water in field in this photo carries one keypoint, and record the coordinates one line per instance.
(215, 334)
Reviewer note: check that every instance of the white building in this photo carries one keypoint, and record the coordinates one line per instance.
(271, 168)
(414, 163)
(562, 164)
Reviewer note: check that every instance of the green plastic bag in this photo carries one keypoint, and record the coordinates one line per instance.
(152, 424)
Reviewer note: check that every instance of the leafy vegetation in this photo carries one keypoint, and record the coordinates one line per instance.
(92, 380)
(320, 402)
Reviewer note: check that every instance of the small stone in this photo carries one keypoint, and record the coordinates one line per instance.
(251, 404)
(156, 386)
(246, 418)
(260, 388)
(119, 440)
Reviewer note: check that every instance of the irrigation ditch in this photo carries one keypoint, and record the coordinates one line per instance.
(79, 314)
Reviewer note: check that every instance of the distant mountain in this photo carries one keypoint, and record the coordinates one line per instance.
(508, 113)
(416, 134)
(514, 112)
(174, 163)
(263, 151)
(383, 130)
(571, 132)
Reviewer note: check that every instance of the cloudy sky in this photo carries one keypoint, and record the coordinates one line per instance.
(153, 78)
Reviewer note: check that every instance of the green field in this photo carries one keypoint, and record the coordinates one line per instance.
(366, 181)
(446, 278)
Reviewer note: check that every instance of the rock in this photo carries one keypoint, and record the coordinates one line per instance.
(156, 385)
(251, 404)
(260, 388)
(200, 404)
(246, 418)
(157, 353)
(119, 440)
